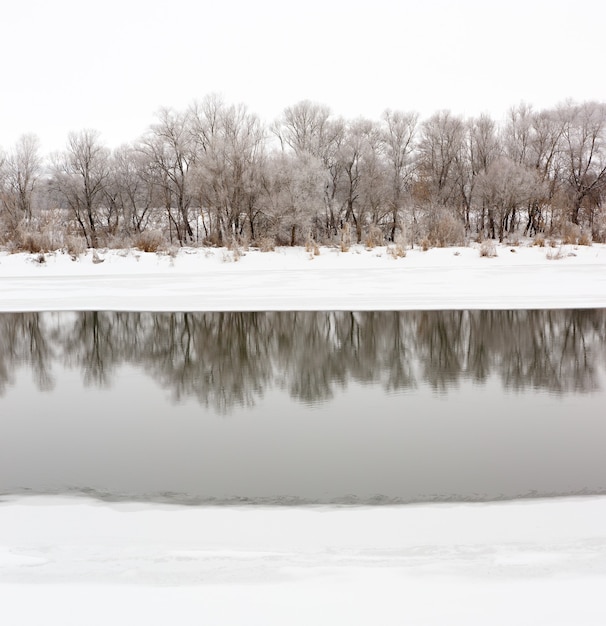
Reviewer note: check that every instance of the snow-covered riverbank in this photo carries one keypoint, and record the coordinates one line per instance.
(293, 279)
(74, 561)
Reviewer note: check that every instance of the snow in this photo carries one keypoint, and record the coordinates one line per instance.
(292, 279)
(77, 561)
(73, 560)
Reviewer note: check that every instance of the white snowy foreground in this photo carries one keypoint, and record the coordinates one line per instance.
(70, 561)
(75, 561)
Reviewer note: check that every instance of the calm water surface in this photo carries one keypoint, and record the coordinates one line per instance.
(310, 407)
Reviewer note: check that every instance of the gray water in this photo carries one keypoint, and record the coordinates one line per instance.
(310, 407)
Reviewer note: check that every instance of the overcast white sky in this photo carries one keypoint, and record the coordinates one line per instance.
(75, 64)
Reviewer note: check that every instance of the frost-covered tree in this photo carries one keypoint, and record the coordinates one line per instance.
(399, 137)
(307, 128)
(584, 154)
(19, 173)
(359, 154)
(504, 188)
(440, 145)
(78, 178)
(169, 147)
(230, 148)
(132, 188)
(293, 187)
(304, 128)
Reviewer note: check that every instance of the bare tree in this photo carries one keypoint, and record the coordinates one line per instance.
(440, 145)
(517, 133)
(20, 172)
(307, 128)
(170, 149)
(131, 188)
(293, 187)
(504, 188)
(399, 134)
(79, 176)
(584, 153)
(230, 147)
(304, 128)
(544, 155)
(480, 150)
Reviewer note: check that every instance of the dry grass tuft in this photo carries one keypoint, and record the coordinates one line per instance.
(555, 254)
(345, 244)
(267, 244)
(312, 248)
(75, 246)
(150, 241)
(374, 238)
(488, 248)
(396, 251)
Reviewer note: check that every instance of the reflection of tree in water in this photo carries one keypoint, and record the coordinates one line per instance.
(319, 352)
(229, 359)
(24, 342)
(90, 344)
(221, 359)
(440, 347)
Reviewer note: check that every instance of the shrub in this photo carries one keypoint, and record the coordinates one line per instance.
(267, 244)
(374, 237)
(445, 229)
(396, 251)
(149, 241)
(237, 244)
(570, 233)
(488, 248)
(34, 242)
(345, 238)
(231, 256)
(555, 254)
(312, 247)
(75, 246)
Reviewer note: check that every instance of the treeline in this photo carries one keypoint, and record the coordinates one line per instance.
(214, 174)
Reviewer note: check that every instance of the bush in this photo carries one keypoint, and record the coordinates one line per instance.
(312, 247)
(555, 254)
(570, 233)
(396, 251)
(267, 244)
(374, 237)
(345, 238)
(445, 229)
(488, 248)
(75, 246)
(149, 241)
(34, 242)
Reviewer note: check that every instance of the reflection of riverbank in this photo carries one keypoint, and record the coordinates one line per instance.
(229, 359)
